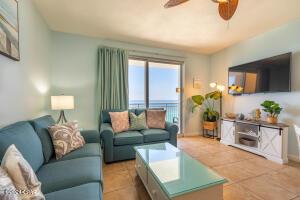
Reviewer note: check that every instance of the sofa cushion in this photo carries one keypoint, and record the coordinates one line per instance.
(156, 119)
(154, 135)
(105, 117)
(119, 121)
(69, 173)
(22, 174)
(88, 150)
(128, 137)
(26, 140)
(41, 125)
(66, 138)
(90, 191)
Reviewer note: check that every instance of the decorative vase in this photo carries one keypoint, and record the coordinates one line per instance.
(209, 125)
(272, 120)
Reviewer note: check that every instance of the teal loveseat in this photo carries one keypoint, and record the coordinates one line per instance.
(77, 176)
(119, 146)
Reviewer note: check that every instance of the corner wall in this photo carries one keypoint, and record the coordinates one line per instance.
(24, 85)
(278, 41)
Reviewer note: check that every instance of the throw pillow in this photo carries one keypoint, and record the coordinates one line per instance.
(119, 121)
(7, 188)
(66, 138)
(138, 122)
(156, 119)
(21, 173)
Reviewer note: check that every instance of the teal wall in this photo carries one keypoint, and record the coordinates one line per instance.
(278, 41)
(24, 85)
(73, 72)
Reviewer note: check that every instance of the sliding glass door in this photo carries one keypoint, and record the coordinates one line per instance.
(156, 84)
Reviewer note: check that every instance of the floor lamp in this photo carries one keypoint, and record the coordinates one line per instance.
(220, 88)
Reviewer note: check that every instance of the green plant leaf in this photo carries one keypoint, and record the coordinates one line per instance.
(198, 99)
(216, 95)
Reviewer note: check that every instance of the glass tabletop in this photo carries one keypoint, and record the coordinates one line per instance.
(175, 171)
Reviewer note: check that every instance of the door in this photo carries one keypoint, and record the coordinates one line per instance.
(227, 132)
(156, 84)
(270, 141)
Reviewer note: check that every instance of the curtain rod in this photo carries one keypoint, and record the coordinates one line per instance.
(153, 53)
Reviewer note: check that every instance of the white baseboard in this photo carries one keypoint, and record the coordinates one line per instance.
(294, 158)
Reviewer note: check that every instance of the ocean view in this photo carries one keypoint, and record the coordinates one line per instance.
(171, 106)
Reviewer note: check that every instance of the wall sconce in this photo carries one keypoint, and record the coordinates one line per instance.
(197, 83)
(221, 88)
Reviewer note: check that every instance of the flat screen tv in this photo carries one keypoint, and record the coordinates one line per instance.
(263, 76)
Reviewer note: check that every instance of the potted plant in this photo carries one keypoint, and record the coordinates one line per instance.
(273, 109)
(210, 115)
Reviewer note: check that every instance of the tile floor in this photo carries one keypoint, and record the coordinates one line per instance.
(250, 177)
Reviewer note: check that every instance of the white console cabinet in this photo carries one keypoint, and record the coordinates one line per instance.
(268, 140)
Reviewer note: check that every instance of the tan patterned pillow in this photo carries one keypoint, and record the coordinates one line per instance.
(119, 121)
(7, 188)
(156, 119)
(66, 138)
(27, 185)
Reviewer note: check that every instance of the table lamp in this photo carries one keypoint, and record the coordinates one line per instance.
(62, 103)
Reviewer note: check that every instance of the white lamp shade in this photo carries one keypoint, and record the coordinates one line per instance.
(62, 102)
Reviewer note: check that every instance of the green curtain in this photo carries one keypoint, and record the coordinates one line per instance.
(112, 79)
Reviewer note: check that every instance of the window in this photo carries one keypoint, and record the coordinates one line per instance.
(152, 84)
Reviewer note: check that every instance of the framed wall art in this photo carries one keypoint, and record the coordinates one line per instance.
(9, 29)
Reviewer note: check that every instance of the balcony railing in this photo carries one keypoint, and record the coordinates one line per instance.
(171, 108)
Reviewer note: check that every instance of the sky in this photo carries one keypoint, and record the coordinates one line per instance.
(162, 82)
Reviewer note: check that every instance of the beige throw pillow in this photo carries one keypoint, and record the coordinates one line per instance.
(23, 177)
(66, 138)
(156, 119)
(119, 121)
(7, 188)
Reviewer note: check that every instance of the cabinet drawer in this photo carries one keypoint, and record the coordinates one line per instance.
(141, 169)
(154, 189)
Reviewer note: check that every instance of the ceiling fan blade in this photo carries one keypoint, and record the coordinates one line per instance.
(227, 10)
(172, 3)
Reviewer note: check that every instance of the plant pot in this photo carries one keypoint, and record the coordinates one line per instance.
(272, 120)
(209, 125)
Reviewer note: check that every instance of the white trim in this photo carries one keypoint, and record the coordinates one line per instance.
(294, 158)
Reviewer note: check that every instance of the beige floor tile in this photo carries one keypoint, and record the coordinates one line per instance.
(267, 163)
(253, 168)
(233, 172)
(130, 164)
(237, 192)
(114, 167)
(130, 193)
(265, 188)
(291, 171)
(290, 183)
(117, 180)
(222, 158)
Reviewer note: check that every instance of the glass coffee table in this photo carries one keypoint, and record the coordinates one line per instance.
(169, 173)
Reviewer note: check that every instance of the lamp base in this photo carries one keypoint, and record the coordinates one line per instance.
(62, 118)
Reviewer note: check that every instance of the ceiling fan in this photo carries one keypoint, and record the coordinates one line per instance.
(227, 8)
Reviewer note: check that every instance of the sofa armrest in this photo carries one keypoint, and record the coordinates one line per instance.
(107, 137)
(91, 136)
(173, 130)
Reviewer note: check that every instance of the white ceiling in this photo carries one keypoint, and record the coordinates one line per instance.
(194, 26)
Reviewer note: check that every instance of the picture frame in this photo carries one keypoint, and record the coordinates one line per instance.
(9, 29)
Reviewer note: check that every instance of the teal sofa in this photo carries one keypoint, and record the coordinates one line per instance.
(77, 176)
(119, 146)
